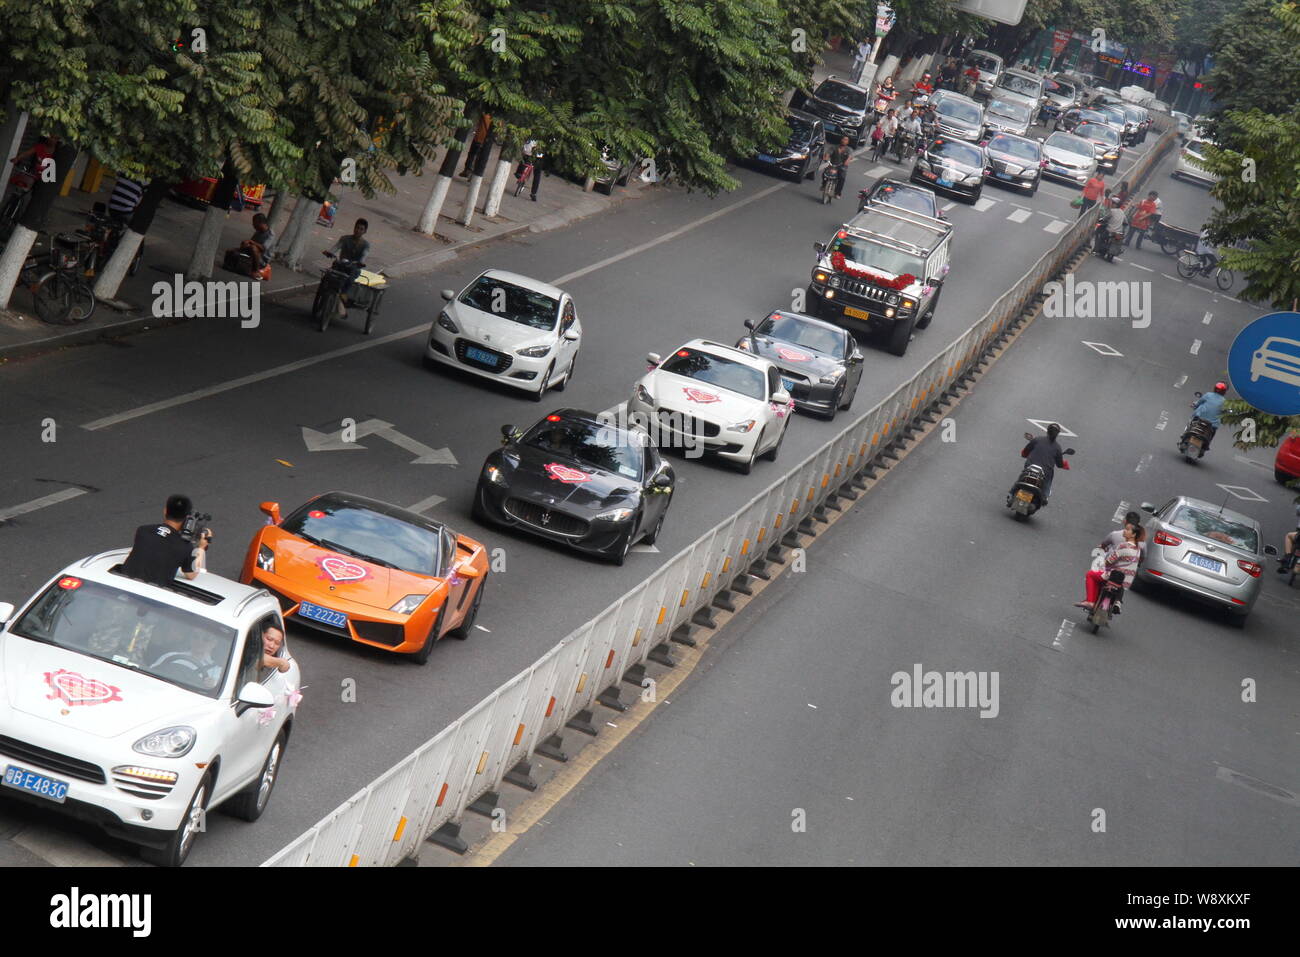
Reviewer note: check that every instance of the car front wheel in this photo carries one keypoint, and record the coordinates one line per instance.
(249, 803)
(181, 842)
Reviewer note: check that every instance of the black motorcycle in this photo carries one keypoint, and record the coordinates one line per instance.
(1105, 243)
(1194, 441)
(366, 292)
(1028, 495)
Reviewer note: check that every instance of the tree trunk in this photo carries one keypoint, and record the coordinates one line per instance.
(492, 205)
(281, 211)
(441, 184)
(110, 278)
(32, 221)
(300, 227)
(476, 179)
(12, 259)
(294, 224)
(214, 218)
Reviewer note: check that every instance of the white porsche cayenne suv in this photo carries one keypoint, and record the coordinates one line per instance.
(715, 397)
(138, 707)
(510, 328)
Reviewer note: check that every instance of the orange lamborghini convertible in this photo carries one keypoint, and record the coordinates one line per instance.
(369, 572)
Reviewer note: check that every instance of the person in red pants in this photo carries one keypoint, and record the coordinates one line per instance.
(1123, 558)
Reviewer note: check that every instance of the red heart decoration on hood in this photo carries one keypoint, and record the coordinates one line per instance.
(342, 570)
(794, 355)
(562, 473)
(699, 395)
(76, 689)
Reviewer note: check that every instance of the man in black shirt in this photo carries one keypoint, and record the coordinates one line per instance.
(838, 157)
(1047, 454)
(159, 551)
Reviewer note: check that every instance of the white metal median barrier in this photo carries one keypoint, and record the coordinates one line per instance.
(463, 768)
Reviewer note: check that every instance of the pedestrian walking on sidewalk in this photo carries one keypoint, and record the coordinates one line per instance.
(1092, 191)
(125, 197)
(476, 145)
(532, 154)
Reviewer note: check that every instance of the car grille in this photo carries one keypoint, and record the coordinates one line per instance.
(68, 767)
(690, 424)
(558, 523)
(859, 287)
(800, 385)
(382, 632)
(149, 790)
(500, 364)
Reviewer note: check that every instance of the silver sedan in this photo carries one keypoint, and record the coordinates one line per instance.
(1205, 550)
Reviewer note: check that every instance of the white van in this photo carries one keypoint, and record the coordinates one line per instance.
(990, 67)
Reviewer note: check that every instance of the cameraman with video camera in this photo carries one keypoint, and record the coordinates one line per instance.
(159, 551)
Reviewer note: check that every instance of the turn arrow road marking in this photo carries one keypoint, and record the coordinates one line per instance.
(334, 442)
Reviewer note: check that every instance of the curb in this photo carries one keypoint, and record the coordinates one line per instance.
(428, 264)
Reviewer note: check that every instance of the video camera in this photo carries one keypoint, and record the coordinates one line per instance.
(192, 528)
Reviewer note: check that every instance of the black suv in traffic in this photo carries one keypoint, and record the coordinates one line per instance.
(844, 108)
(802, 152)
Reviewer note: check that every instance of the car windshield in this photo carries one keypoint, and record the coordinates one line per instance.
(958, 152)
(842, 95)
(1196, 148)
(985, 63)
(598, 446)
(1134, 114)
(966, 112)
(1017, 111)
(132, 631)
(817, 338)
(1095, 131)
(870, 255)
(505, 299)
(1091, 116)
(1019, 84)
(1113, 115)
(717, 370)
(353, 529)
(1072, 144)
(1014, 146)
(1214, 526)
(800, 130)
(917, 200)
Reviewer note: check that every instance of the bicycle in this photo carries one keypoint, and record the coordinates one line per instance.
(23, 181)
(68, 258)
(52, 298)
(525, 171)
(1191, 265)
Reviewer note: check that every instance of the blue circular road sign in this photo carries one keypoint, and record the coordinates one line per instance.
(1264, 363)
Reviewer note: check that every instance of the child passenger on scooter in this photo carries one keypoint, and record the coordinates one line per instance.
(1124, 558)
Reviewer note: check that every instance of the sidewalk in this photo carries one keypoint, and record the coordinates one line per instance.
(397, 248)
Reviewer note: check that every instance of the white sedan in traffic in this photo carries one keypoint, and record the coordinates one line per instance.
(139, 708)
(504, 326)
(715, 398)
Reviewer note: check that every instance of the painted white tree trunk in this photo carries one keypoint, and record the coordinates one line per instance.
(433, 208)
(280, 212)
(300, 226)
(281, 251)
(471, 200)
(492, 205)
(110, 279)
(15, 254)
(205, 247)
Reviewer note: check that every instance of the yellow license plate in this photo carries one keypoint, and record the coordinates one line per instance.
(856, 313)
(1024, 496)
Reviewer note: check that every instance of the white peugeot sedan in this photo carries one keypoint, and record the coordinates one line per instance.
(510, 328)
(138, 707)
(707, 395)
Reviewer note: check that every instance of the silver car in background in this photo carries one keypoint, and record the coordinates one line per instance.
(990, 67)
(1008, 114)
(1070, 159)
(1207, 551)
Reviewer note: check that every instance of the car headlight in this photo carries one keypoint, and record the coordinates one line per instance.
(798, 156)
(745, 426)
(1111, 156)
(408, 604)
(172, 742)
(151, 775)
(832, 377)
(616, 515)
(643, 395)
(265, 559)
(819, 277)
(972, 177)
(534, 352)
(893, 299)
(834, 282)
(494, 475)
(445, 320)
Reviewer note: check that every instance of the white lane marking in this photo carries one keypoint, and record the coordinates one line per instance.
(879, 171)
(54, 498)
(1259, 465)
(1120, 511)
(947, 206)
(1044, 423)
(1164, 420)
(1174, 278)
(62, 849)
(481, 628)
(984, 204)
(1182, 380)
(1236, 491)
(1021, 205)
(643, 547)
(1055, 226)
(1208, 317)
(1018, 215)
(424, 504)
(1143, 463)
(1102, 348)
(668, 236)
(1063, 634)
(813, 706)
(1196, 346)
(1143, 268)
(187, 397)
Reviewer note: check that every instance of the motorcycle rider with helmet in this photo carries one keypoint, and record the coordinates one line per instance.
(1047, 455)
(1208, 409)
(1287, 557)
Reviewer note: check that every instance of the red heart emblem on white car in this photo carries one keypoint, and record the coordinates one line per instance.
(699, 395)
(794, 355)
(562, 473)
(342, 570)
(76, 689)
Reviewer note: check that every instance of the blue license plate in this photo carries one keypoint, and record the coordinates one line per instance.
(943, 182)
(1002, 175)
(480, 355)
(787, 384)
(830, 127)
(38, 784)
(323, 615)
(1209, 564)
(764, 158)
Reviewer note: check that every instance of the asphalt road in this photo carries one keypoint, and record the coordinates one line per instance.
(199, 407)
(790, 711)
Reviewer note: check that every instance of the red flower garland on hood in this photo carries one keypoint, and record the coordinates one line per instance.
(840, 264)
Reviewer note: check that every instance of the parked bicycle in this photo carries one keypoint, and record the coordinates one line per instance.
(106, 232)
(525, 171)
(60, 294)
(22, 181)
(1191, 265)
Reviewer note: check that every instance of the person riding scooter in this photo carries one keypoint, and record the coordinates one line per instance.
(1109, 235)
(1287, 557)
(838, 157)
(1208, 409)
(1047, 455)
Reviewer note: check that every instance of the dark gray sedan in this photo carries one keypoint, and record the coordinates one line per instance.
(819, 362)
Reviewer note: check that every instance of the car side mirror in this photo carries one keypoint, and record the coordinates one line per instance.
(663, 480)
(1029, 435)
(272, 510)
(781, 397)
(570, 336)
(466, 570)
(653, 358)
(449, 294)
(1269, 550)
(1148, 507)
(749, 323)
(253, 695)
(854, 358)
(1068, 452)
(6, 612)
(507, 434)
(819, 248)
